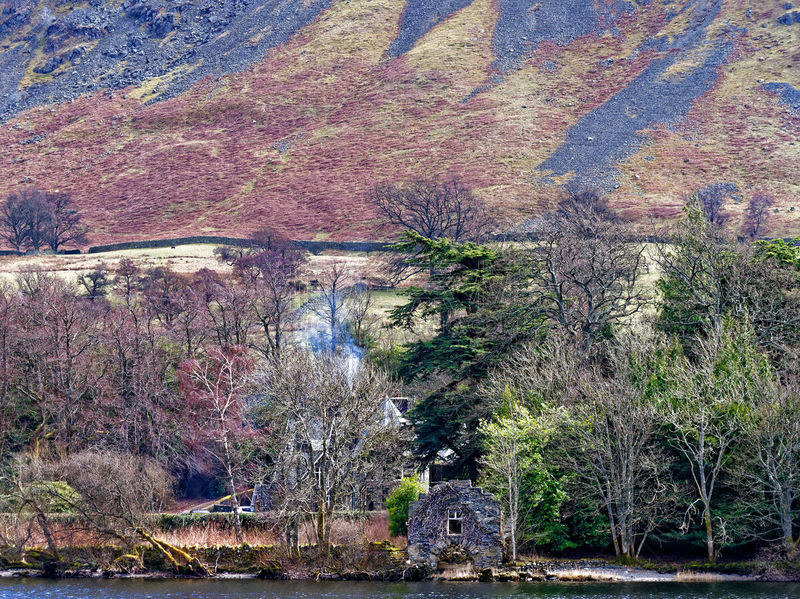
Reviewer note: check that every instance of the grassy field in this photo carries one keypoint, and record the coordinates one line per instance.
(183, 259)
(188, 259)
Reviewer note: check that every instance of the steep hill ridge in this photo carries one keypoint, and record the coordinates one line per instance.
(176, 118)
(56, 51)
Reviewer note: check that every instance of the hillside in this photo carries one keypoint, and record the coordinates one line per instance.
(168, 118)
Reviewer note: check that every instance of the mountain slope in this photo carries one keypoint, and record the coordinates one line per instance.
(225, 116)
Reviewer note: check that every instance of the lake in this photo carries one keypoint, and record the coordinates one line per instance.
(256, 589)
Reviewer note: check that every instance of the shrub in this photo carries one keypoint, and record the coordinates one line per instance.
(54, 496)
(397, 504)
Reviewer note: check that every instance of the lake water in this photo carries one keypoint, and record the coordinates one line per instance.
(253, 589)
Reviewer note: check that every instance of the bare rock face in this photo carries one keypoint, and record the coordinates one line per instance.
(455, 522)
(77, 48)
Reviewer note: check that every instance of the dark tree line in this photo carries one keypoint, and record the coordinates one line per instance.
(33, 219)
(630, 402)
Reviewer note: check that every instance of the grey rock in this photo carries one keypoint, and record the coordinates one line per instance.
(135, 32)
(788, 94)
(650, 98)
(480, 540)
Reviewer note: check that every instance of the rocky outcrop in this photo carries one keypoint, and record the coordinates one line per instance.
(788, 94)
(419, 17)
(78, 48)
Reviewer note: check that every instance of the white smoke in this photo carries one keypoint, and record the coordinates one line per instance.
(316, 335)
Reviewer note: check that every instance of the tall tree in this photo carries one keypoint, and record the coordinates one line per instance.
(513, 464)
(434, 209)
(33, 218)
(756, 216)
(610, 422)
(272, 276)
(214, 387)
(708, 277)
(62, 362)
(704, 413)
(770, 472)
(331, 302)
(64, 225)
(330, 432)
(479, 300)
(14, 221)
(588, 271)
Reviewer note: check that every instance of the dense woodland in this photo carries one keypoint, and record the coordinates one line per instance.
(616, 396)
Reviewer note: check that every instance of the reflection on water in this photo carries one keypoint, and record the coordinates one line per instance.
(252, 589)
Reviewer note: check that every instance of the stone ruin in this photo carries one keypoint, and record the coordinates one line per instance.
(456, 522)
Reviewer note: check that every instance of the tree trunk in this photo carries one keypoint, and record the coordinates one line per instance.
(237, 517)
(624, 541)
(293, 536)
(174, 555)
(44, 525)
(613, 526)
(512, 514)
(323, 528)
(709, 533)
(786, 517)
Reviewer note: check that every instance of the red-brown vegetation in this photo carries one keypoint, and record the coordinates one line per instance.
(297, 141)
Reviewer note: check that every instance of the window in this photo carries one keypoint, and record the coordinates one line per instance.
(454, 522)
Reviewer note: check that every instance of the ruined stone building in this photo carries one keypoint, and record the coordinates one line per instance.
(455, 521)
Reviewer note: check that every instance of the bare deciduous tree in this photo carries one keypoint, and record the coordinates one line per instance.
(711, 201)
(96, 282)
(360, 307)
(756, 215)
(14, 222)
(33, 218)
(610, 428)
(587, 271)
(113, 496)
(63, 225)
(704, 416)
(272, 275)
(215, 387)
(331, 435)
(61, 358)
(330, 304)
(771, 469)
(434, 209)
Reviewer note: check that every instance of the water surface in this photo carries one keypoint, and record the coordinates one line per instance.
(256, 589)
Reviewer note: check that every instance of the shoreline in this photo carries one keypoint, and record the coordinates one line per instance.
(559, 571)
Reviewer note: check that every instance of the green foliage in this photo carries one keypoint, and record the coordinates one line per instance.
(476, 299)
(407, 492)
(699, 271)
(583, 526)
(53, 496)
(784, 252)
(514, 442)
(387, 357)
